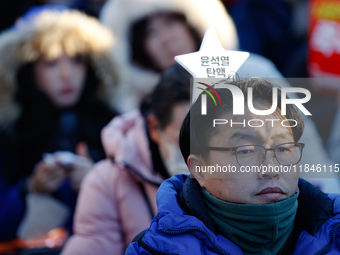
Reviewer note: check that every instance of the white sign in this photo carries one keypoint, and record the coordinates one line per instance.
(211, 61)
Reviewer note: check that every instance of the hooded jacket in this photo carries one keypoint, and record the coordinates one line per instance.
(120, 15)
(117, 199)
(49, 32)
(183, 225)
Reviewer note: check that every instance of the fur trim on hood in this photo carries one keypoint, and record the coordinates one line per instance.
(119, 15)
(50, 33)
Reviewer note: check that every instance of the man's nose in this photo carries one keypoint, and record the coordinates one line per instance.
(271, 167)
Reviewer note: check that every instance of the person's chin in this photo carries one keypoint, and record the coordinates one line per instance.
(268, 198)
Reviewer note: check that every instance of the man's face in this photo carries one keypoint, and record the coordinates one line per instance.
(248, 187)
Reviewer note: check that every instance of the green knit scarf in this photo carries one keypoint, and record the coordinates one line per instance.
(256, 229)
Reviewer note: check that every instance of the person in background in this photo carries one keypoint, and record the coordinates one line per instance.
(151, 33)
(237, 211)
(118, 198)
(56, 78)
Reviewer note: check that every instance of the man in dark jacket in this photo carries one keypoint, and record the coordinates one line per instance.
(245, 197)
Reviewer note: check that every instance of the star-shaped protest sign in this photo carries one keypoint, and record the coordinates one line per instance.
(211, 61)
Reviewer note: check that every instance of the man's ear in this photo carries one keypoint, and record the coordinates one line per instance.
(195, 163)
(154, 128)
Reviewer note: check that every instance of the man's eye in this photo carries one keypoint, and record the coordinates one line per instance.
(282, 149)
(245, 151)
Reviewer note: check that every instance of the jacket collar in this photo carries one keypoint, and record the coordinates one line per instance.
(315, 207)
(126, 141)
(193, 202)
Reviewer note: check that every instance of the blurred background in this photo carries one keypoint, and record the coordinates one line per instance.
(114, 62)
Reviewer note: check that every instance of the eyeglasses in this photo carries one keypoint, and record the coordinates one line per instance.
(253, 155)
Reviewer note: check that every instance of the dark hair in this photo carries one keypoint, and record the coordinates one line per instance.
(138, 36)
(173, 88)
(197, 129)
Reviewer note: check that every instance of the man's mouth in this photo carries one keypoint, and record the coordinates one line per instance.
(271, 194)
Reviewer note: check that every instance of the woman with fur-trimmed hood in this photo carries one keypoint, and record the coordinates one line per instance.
(151, 32)
(56, 80)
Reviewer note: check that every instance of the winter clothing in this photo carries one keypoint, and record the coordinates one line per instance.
(183, 225)
(30, 124)
(242, 223)
(119, 16)
(117, 199)
(50, 33)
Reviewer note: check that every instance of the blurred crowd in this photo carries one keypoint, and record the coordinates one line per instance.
(92, 102)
